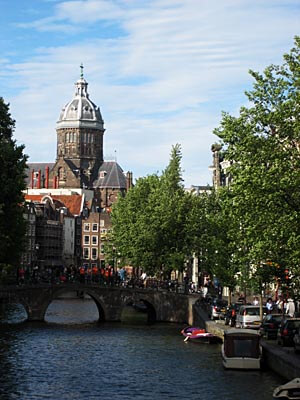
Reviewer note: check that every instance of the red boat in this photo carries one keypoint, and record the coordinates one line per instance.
(199, 335)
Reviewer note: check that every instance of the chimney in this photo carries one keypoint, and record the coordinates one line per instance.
(47, 178)
(39, 179)
(128, 180)
(32, 179)
(54, 181)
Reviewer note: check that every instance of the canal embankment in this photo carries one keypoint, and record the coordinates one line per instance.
(282, 360)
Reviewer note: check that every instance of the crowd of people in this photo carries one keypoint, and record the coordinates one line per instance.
(84, 274)
(108, 275)
(283, 304)
(87, 274)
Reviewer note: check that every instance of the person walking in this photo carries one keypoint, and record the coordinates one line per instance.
(122, 274)
(290, 308)
(269, 305)
(279, 305)
(95, 272)
(81, 274)
(255, 301)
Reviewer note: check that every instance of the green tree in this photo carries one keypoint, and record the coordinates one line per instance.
(12, 182)
(149, 224)
(212, 227)
(172, 210)
(263, 145)
(133, 226)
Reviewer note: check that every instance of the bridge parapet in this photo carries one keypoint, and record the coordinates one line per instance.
(161, 305)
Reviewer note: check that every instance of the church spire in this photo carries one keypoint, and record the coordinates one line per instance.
(81, 85)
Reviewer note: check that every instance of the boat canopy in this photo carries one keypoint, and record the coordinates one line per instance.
(241, 343)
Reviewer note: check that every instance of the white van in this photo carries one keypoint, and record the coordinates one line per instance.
(248, 317)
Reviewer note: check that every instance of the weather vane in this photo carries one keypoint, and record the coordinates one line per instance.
(81, 70)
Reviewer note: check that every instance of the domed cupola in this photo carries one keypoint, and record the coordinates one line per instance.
(80, 112)
(79, 140)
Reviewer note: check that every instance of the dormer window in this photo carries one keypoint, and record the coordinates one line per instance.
(102, 174)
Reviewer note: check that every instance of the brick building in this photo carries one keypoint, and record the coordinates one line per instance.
(80, 169)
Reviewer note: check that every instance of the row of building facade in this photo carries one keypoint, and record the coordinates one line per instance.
(68, 202)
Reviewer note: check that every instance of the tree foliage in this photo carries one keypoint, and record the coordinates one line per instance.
(150, 223)
(12, 182)
(263, 143)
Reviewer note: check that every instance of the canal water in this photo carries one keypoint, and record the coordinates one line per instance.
(71, 357)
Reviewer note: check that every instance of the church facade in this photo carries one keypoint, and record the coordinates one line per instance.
(79, 160)
(79, 170)
(79, 141)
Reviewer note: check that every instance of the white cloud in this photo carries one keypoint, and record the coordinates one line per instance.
(162, 82)
(82, 12)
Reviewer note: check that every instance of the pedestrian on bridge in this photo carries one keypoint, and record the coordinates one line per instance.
(82, 274)
(290, 308)
(95, 273)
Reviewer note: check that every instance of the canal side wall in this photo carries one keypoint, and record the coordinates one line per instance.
(281, 360)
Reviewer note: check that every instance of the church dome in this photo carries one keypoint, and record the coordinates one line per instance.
(80, 112)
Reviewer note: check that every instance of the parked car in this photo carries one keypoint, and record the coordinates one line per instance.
(249, 317)
(270, 325)
(287, 330)
(217, 309)
(297, 341)
(231, 312)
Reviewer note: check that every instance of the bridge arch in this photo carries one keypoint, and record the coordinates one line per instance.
(150, 311)
(137, 300)
(87, 291)
(110, 301)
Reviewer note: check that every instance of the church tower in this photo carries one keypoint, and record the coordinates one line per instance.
(79, 141)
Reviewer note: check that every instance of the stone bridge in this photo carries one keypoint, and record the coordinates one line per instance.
(162, 306)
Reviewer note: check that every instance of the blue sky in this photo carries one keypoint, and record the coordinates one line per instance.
(162, 71)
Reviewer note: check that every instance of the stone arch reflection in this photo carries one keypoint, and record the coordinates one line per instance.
(12, 313)
(73, 307)
(138, 312)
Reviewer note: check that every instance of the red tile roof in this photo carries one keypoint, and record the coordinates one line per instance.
(73, 202)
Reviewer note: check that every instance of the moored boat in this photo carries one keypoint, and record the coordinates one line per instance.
(199, 335)
(289, 391)
(241, 349)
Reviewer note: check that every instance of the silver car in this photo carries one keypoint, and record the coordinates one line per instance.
(249, 317)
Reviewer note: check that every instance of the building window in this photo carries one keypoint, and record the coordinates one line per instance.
(86, 253)
(95, 227)
(101, 222)
(94, 253)
(102, 248)
(103, 230)
(95, 240)
(86, 239)
(86, 227)
(61, 173)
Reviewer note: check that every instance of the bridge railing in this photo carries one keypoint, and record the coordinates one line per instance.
(133, 282)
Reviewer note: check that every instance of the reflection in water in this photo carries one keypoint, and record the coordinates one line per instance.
(119, 361)
(72, 311)
(12, 313)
